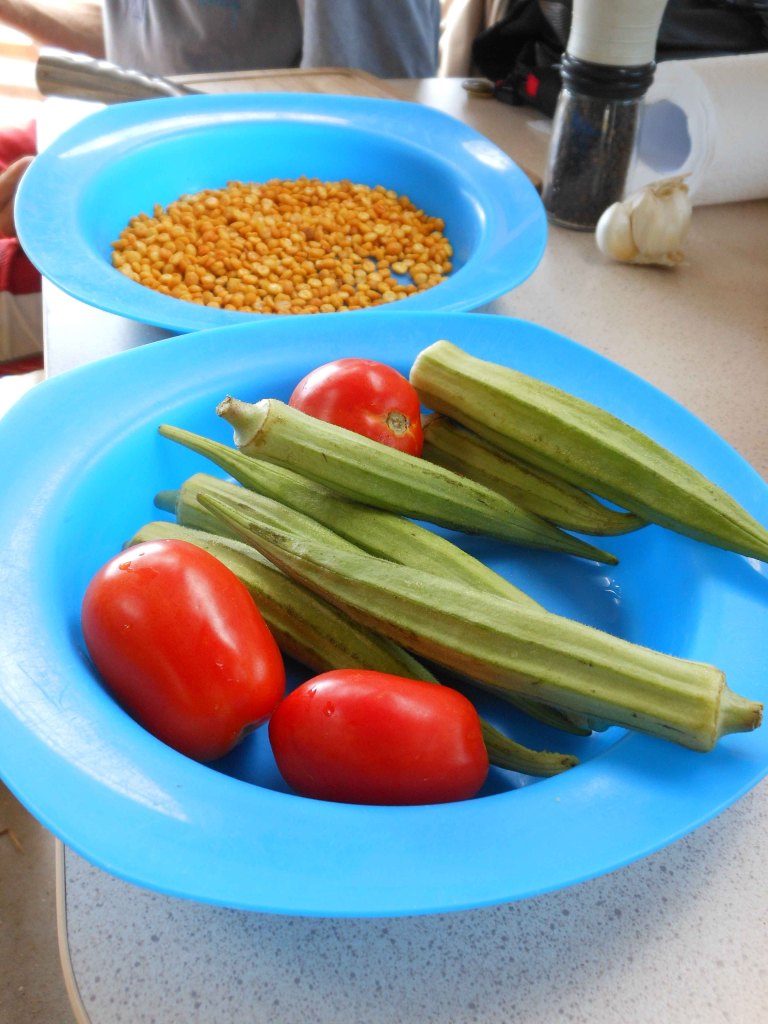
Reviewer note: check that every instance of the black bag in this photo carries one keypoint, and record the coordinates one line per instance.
(521, 52)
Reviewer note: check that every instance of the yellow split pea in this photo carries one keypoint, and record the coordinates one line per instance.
(286, 246)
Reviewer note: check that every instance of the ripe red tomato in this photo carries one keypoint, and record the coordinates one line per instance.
(370, 398)
(358, 736)
(178, 640)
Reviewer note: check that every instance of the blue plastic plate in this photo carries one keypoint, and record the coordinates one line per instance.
(81, 192)
(82, 462)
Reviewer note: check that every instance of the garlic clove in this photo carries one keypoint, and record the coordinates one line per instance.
(651, 229)
(613, 234)
(656, 225)
(649, 226)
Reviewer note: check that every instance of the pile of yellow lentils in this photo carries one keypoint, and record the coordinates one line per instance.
(286, 246)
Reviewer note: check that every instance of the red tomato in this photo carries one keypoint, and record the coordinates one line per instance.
(178, 640)
(357, 736)
(370, 398)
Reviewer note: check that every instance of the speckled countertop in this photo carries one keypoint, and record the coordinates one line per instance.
(678, 937)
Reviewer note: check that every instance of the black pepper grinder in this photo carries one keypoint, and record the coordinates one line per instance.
(606, 70)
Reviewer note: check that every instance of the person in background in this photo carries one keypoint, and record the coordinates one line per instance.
(387, 38)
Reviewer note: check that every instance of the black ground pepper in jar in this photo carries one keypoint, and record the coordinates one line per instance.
(593, 139)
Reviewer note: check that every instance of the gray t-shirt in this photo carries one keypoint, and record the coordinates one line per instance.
(390, 38)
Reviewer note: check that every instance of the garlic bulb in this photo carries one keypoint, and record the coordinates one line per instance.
(649, 226)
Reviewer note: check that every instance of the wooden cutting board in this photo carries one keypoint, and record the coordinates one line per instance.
(339, 81)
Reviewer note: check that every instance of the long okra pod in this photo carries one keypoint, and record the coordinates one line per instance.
(320, 636)
(584, 444)
(450, 445)
(190, 511)
(533, 653)
(383, 477)
(305, 626)
(377, 531)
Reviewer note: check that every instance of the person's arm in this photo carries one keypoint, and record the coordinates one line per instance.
(76, 27)
(9, 181)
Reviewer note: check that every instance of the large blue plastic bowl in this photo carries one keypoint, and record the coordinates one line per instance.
(82, 461)
(81, 192)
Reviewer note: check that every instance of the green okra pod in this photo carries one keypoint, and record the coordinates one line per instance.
(192, 512)
(185, 505)
(585, 445)
(376, 531)
(506, 753)
(506, 645)
(385, 478)
(320, 636)
(450, 445)
(305, 626)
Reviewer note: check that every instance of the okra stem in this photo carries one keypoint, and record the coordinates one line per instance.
(531, 652)
(385, 478)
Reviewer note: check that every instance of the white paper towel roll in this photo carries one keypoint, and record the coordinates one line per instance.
(706, 118)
